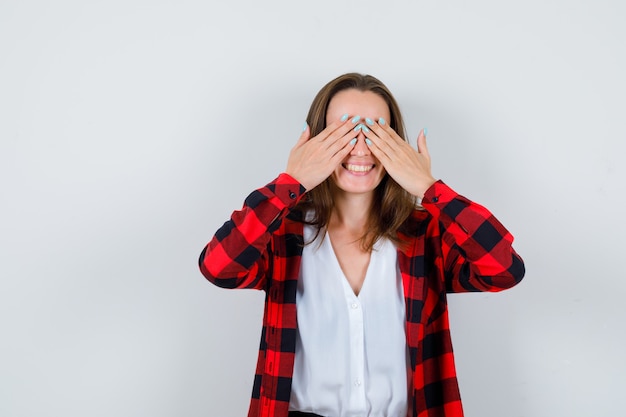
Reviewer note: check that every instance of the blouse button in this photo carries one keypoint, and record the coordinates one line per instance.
(292, 195)
(435, 199)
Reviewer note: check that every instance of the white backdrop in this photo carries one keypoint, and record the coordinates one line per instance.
(129, 130)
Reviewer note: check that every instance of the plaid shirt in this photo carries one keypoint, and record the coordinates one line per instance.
(455, 246)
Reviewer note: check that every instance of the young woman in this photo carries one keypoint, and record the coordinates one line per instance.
(355, 271)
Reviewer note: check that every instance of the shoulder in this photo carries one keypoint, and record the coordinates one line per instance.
(419, 215)
(416, 225)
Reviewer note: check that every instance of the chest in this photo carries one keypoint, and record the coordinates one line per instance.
(418, 281)
(341, 263)
(353, 262)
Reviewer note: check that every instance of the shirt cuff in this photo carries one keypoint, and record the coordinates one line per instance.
(437, 197)
(287, 189)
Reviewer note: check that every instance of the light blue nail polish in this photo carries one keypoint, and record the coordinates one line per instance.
(381, 121)
(345, 117)
(353, 142)
(358, 127)
(425, 131)
(368, 142)
(355, 119)
(304, 126)
(369, 121)
(365, 129)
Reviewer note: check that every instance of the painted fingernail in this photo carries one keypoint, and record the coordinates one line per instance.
(369, 121)
(425, 131)
(355, 119)
(358, 127)
(381, 121)
(365, 129)
(353, 142)
(304, 126)
(344, 117)
(368, 142)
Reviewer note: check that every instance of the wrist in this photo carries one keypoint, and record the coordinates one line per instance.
(424, 186)
(296, 176)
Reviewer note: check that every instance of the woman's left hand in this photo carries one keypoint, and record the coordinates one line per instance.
(410, 168)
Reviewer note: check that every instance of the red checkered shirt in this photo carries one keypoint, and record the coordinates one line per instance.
(455, 246)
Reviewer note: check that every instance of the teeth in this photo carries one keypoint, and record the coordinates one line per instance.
(359, 168)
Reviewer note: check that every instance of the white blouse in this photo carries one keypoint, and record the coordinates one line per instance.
(351, 355)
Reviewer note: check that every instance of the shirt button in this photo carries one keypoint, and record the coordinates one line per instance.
(357, 382)
(292, 195)
(435, 199)
(354, 305)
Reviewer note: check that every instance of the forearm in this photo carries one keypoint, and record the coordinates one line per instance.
(477, 248)
(237, 255)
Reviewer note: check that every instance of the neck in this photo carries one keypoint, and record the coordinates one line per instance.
(351, 211)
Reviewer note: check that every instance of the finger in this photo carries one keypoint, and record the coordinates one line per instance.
(390, 142)
(375, 144)
(421, 143)
(337, 129)
(329, 130)
(382, 142)
(385, 131)
(305, 135)
(347, 141)
(339, 138)
(342, 152)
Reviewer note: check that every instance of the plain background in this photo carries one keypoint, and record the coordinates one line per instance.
(131, 129)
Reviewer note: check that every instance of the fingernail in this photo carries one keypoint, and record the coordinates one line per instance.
(365, 129)
(345, 117)
(369, 121)
(425, 131)
(381, 121)
(353, 142)
(304, 126)
(368, 142)
(358, 127)
(355, 119)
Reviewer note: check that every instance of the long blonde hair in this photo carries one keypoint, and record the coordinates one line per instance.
(391, 205)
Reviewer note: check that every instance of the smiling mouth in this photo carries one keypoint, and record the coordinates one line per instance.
(358, 168)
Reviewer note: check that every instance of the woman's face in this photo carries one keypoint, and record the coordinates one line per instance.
(360, 172)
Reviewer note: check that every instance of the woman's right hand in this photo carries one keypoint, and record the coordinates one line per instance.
(312, 160)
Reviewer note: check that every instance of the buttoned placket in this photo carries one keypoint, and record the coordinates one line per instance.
(357, 344)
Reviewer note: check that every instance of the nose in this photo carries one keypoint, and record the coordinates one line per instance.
(361, 148)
